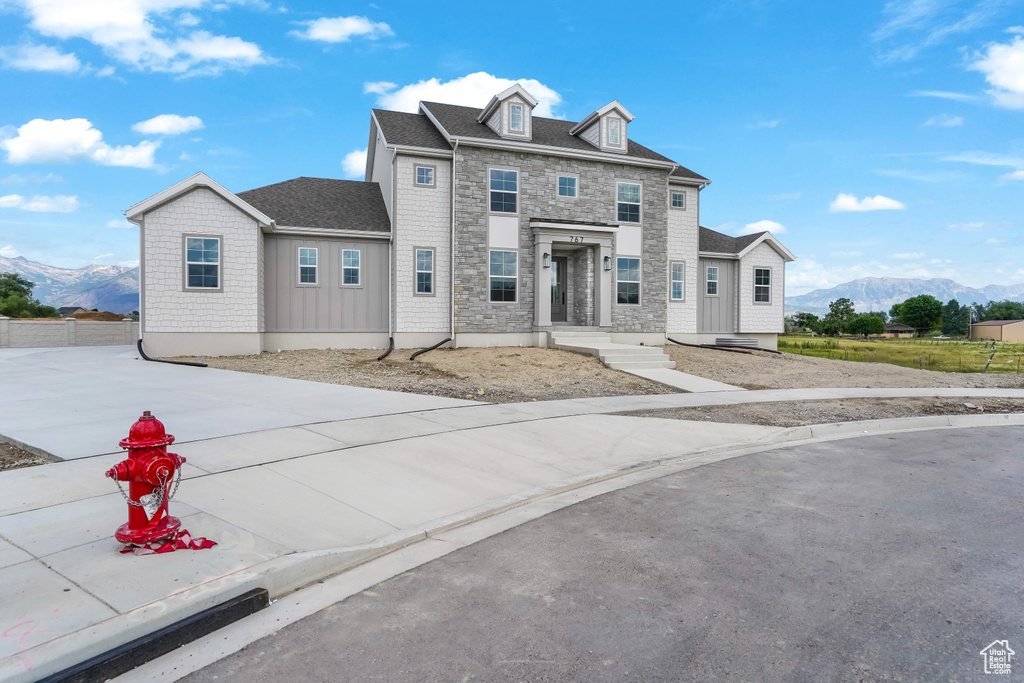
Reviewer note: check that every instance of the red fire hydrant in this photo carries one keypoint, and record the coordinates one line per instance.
(150, 471)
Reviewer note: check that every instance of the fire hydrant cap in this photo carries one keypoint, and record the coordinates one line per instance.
(147, 432)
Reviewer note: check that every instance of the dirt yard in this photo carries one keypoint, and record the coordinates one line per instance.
(12, 457)
(763, 370)
(496, 375)
(799, 413)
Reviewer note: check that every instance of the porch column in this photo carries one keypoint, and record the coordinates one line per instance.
(602, 287)
(542, 288)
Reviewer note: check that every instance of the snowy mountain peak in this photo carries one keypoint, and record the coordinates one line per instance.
(108, 288)
(880, 293)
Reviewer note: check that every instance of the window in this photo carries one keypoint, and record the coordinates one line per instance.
(678, 272)
(762, 285)
(628, 281)
(614, 136)
(712, 281)
(504, 275)
(307, 266)
(566, 186)
(628, 202)
(678, 200)
(504, 189)
(425, 175)
(515, 117)
(424, 271)
(350, 267)
(202, 262)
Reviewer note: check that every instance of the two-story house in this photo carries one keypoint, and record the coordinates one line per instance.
(483, 226)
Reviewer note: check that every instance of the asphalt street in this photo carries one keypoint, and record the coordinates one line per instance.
(895, 557)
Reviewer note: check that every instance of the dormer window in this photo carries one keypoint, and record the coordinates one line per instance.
(614, 132)
(606, 128)
(515, 118)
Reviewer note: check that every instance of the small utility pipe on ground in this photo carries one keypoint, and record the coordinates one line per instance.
(429, 348)
(172, 362)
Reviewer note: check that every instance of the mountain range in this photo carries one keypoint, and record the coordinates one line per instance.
(107, 288)
(880, 293)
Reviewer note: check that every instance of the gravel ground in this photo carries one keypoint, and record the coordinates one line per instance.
(762, 370)
(495, 375)
(12, 457)
(799, 413)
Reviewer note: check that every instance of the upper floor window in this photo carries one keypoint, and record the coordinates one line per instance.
(762, 285)
(504, 190)
(614, 132)
(515, 117)
(566, 186)
(424, 271)
(202, 262)
(425, 175)
(712, 281)
(678, 273)
(628, 202)
(350, 267)
(678, 200)
(307, 266)
(627, 283)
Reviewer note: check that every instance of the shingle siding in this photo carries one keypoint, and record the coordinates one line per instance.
(755, 318)
(682, 246)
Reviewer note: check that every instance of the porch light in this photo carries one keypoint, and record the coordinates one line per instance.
(547, 260)
(607, 262)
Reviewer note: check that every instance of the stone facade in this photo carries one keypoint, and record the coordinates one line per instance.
(233, 308)
(538, 198)
(683, 243)
(759, 317)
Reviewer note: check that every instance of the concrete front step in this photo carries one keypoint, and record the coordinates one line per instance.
(641, 364)
(632, 358)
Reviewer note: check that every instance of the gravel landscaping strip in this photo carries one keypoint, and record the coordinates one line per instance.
(12, 457)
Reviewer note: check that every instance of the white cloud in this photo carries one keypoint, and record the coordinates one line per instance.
(341, 29)
(990, 159)
(70, 140)
(944, 121)
(29, 57)
(945, 95)
(30, 179)
(808, 274)
(967, 227)
(1014, 175)
(472, 90)
(41, 204)
(908, 256)
(120, 223)
(9, 252)
(845, 254)
(762, 226)
(940, 261)
(1003, 66)
(168, 124)
(142, 33)
(134, 263)
(101, 257)
(847, 202)
(354, 163)
(763, 124)
(993, 240)
(914, 25)
(379, 88)
(184, 156)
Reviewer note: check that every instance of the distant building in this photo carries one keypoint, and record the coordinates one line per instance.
(897, 330)
(67, 311)
(1010, 331)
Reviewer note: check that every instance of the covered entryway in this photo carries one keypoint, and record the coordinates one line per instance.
(573, 274)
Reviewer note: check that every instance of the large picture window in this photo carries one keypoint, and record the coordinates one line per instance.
(678, 274)
(762, 285)
(504, 275)
(308, 266)
(424, 271)
(712, 281)
(350, 268)
(202, 262)
(628, 202)
(628, 281)
(504, 190)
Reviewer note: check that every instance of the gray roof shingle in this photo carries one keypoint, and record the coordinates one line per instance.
(462, 122)
(410, 130)
(322, 203)
(716, 242)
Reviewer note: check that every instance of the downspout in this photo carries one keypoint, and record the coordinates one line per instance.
(451, 266)
(391, 258)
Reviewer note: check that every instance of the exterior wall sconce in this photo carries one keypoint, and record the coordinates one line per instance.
(607, 262)
(547, 260)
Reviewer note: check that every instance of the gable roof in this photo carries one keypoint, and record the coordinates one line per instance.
(997, 323)
(899, 327)
(614, 105)
(462, 122)
(410, 130)
(194, 181)
(322, 203)
(714, 242)
(514, 89)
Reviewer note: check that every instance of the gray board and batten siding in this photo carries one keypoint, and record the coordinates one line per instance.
(717, 313)
(327, 306)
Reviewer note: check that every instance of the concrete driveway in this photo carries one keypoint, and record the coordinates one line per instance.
(79, 402)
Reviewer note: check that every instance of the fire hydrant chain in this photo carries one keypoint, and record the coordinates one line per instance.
(163, 488)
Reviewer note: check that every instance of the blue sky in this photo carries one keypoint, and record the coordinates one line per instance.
(876, 138)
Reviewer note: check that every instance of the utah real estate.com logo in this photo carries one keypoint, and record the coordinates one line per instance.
(997, 657)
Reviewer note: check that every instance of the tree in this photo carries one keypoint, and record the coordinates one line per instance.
(866, 323)
(955, 319)
(840, 313)
(895, 313)
(881, 315)
(16, 299)
(12, 283)
(922, 312)
(1004, 310)
(808, 321)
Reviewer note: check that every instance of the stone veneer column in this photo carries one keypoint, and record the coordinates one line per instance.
(542, 304)
(602, 287)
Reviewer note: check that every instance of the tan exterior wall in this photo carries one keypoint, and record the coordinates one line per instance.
(29, 334)
(1011, 333)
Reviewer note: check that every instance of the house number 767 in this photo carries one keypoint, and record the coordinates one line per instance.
(575, 238)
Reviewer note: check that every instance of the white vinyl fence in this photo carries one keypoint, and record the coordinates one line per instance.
(26, 334)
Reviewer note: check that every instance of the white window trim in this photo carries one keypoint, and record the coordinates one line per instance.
(416, 176)
(608, 133)
(316, 268)
(707, 279)
(771, 277)
(672, 281)
(522, 118)
(359, 269)
(491, 277)
(639, 283)
(640, 204)
(671, 204)
(220, 260)
(558, 185)
(433, 271)
(489, 190)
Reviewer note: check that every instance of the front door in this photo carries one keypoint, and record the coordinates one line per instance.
(558, 308)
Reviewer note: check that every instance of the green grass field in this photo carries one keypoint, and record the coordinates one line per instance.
(930, 354)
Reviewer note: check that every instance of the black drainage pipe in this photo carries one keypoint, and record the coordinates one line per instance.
(709, 346)
(429, 348)
(391, 347)
(172, 362)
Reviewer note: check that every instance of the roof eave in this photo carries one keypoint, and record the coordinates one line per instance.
(564, 151)
(194, 181)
